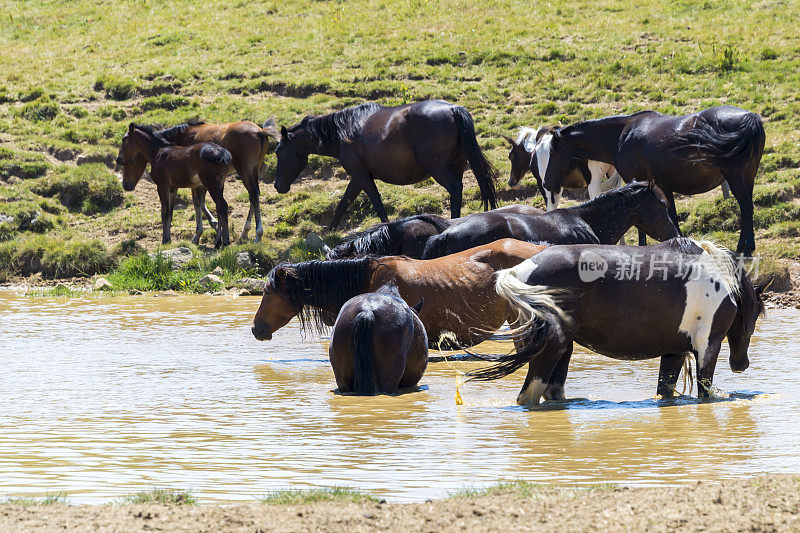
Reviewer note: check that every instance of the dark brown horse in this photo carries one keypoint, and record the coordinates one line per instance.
(399, 145)
(408, 236)
(603, 220)
(688, 154)
(668, 300)
(378, 344)
(461, 307)
(199, 167)
(248, 145)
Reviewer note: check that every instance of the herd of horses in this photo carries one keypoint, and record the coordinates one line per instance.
(394, 290)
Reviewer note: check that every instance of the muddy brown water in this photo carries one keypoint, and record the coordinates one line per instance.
(102, 397)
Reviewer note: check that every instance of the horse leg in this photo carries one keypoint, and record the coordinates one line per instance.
(706, 363)
(166, 214)
(349, 195)
(368, 184)
(256, 205)
(540, 369)
(216, 192)
(743, 193)
(726, 190)
(668, 373)
(455, 188)
(555, 385)
(198, 199)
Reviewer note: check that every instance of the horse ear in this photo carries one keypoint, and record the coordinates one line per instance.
(651, 184)
(131, 127)
(761, 287)
(418, 307)
(511, 141)
(284, 133)
(281, 275)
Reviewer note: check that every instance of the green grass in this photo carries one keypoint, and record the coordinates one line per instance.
(330, 494)
(50, 498)
(521, 489)
(510, 62)
(167, 495)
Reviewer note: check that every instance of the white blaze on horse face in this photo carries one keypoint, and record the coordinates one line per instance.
(705, 292)
(532, 394)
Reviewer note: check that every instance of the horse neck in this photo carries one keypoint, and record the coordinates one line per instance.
(608, 215)
(597, 139)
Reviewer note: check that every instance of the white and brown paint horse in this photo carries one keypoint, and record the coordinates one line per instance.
(687, 154)
(595, 176)
(694, 299)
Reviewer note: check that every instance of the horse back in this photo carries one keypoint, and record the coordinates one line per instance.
(242, 139)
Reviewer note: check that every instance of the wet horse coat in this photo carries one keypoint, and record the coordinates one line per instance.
(461, 306)
(694, 298)
(378, 344)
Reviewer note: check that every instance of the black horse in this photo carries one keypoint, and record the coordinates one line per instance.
(603, 220)
(401, 145)
(378, 344)
(684, 297)
(688, 154)
(408, 236)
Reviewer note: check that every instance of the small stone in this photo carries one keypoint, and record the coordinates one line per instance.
(243, 260)
(102, 284)
(210, 280)
(180, 257)
(163, 294)
(253, 286)
(218, 271)
(5, 218)
(80, 160)
(13, 180)
(135, 292)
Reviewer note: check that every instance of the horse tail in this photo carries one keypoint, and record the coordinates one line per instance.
(483, 169)
(539, 317)
(214, 153)
(363, 356)
(716, 144)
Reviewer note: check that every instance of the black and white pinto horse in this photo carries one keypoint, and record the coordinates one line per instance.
(595, 176)
(685, 298)
(688, 154)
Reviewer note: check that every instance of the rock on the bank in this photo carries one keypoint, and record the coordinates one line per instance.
(102, 284)
(179, 256)
(211, 281)
(254, 287)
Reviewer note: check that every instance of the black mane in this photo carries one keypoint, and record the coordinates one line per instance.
(154, 134)
(314, 285)
(381, 239)
(339, 125)
(172, 134)
(622, 195)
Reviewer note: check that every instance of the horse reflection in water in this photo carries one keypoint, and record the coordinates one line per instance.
(696, 300)
(378, 344)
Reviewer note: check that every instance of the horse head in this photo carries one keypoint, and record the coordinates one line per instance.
(292, 153)
(277, 307)
(520, 161)
(131, 159)
(651, 212)
(750, 307)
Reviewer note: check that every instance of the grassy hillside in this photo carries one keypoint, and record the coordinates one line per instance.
(75, 74)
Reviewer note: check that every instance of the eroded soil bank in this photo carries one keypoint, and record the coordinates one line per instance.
(767, 503)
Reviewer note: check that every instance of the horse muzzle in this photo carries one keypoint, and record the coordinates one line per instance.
(281, 188)
(739, 366)
(128, 186)
(261, 332)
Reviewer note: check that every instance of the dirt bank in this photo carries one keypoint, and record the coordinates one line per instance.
(767, 503)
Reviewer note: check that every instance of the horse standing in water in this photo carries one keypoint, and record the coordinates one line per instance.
(595, 176)
(401, 145)
(201, 167)
(693, 298)
(461, 307)
(603, 220)
(378, 344)
(248, 145)
(688, 154)
(408, 236)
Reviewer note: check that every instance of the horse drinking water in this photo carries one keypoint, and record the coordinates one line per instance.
(378, 344)
(401, 145)
(201, 167)
(668, 300)
(688, 154)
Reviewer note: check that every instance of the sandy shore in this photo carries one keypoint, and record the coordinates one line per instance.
(767, 503)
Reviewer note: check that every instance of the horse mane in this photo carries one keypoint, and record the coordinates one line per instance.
(723, 264)
(149, 130)
(339, 126)
(173, 133)
(313, 285)
(379, 238)
(624, 193)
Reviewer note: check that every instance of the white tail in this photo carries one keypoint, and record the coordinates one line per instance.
(531, 302)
